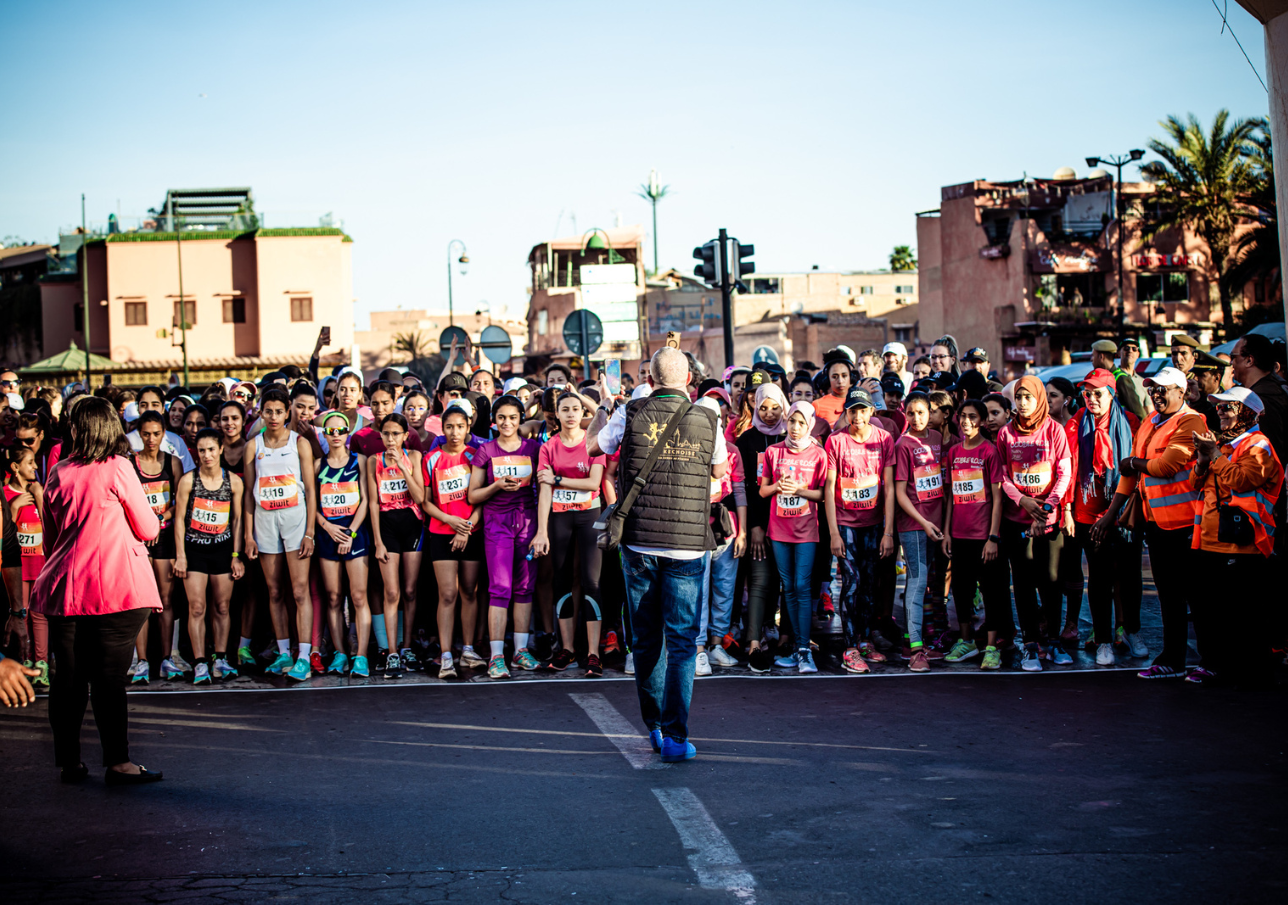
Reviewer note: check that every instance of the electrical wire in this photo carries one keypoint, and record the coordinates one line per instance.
(1225, 23)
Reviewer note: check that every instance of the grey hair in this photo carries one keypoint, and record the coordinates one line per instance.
(669, 368)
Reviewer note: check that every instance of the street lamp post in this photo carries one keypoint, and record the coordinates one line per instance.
(1118, 162)
(464, 261)
(84, 275)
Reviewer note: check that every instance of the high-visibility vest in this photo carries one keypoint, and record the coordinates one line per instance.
(1169, 502)
(1257, 503)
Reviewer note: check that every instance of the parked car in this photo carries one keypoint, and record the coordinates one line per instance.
(1273, 330)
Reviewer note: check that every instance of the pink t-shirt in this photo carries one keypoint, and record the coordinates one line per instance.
(722, 486)
(794, 519)
(447, 477)
(971, 474)
(1034, 465)
(917, 461)
(859, 464)
(569, 462)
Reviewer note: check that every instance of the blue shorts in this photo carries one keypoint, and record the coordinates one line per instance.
(325, 547)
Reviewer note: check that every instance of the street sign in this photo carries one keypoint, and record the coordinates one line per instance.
(496, 344)
(764, 355)
(583, 321)
(462, 343)
(611, 293)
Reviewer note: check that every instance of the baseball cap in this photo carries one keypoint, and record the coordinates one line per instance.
(720, 393)
(773, 368)
(15, 401)
(973, 383)
(1241, 395)
(896, 348)
(513, 385)
(976, 355)
(1184, 339)
(1100, 377)
(1167, 377)
(454, 381)
(1129, 341)
(464, 406)
(848, 353)
(892, 383)
(941, 379)
(859, 396)
(759, 378)
(1107, 346)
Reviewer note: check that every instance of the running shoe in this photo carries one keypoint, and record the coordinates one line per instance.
(611, 643)
(382, 657)
(992, 658)
(674, 752)
(223, 669)
(1135, 645)
(339, 664)
(852, 661)
(760, 660)
(140, 676)
(942, 643)
(393, 666)
(361, 668)
(170, 671)
(316, 664)
(41, 682)
(1198, 675)
(409, 661)
(245, 657)
(918, 662)
(788, 661)
(962, 650)
(1105, 655)
(880, 641)
(543, 645)
(1091, 643)
(300, 671)
(829, 609)
(594, 669)
(523, 659)
(279, 666)
(702, 664)
(1120, 636)
(179, 663)
(655, 739)
(805, 662)
(1031, 661)
(446, 668)
(1070, 633)
(201, 674)
(496, 668)
(1158, 671)
(1060, 655)
(563, 658)
(629, 666)
(869, 652)
(470, 658)
(721, 658)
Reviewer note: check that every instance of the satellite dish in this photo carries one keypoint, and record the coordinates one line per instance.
(1065, 173)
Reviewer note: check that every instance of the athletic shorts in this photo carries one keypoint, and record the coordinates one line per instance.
(326, 549)
(402, 531)
(280, 530)
(164, 547)
(440, 548)
(210, 559)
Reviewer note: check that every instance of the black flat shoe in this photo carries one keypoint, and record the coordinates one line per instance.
(114, 778)
(74, 775)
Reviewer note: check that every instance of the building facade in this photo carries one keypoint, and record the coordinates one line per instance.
(379, 346)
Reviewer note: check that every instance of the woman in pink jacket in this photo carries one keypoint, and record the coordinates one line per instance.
(96, 588)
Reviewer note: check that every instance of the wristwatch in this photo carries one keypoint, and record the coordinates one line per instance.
(1048, 508)
(994, 538)
(558, 480)
(21, 614)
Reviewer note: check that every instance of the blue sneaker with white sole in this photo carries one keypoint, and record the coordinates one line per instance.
(655, 739)
(300, 671)
(339, 664)
(361, 669)
(788, 661)
(674, 752)
(281, 664)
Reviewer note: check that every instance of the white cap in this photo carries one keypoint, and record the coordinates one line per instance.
(1168, 377)
(15, 401)
(1242, 395)
(896, 348)
(643, 390)
(131, 411)
(849, 353)
(461, 405)
(513, 384)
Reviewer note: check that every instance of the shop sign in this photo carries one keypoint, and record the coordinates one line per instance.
(1152, 261)
(1018, 353)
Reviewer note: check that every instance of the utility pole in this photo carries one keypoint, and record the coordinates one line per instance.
(84, 275)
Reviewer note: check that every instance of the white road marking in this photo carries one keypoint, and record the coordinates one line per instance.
(714, 860)
(637, 750)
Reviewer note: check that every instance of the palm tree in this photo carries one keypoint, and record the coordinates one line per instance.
(1256, 252)
(653, 192)
(902, 259)
(1201, 181)
(414, 344)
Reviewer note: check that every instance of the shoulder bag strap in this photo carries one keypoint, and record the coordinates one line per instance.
(633, 492)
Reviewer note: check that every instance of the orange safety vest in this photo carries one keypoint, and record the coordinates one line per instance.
(1169, 502)
(1258, 504)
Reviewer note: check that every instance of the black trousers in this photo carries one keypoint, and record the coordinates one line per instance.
(1035, 572)
(91, 651)
(970, 572)
(1172, 561)
(1231, 607)
(1116, 562)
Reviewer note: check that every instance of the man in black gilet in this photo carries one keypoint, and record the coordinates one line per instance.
(666, 542)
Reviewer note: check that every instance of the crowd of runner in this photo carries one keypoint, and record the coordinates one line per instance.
(297, 516)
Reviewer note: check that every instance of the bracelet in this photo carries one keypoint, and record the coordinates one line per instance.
(353, 533)
(236, 554)
(308, 537)
(21, 614)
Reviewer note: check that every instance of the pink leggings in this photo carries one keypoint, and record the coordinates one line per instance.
(506, 538)
(38, 629)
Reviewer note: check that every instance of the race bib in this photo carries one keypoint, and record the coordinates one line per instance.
(717, 490)
(968, 485)
(1035, 477)
(790, 506)
(210, 516)
(860, 492)
(453, 483)
(278, 492)
(929, 482)
(760, 465)
(339, 499)
(393, 488)
(563, 500)
(519, 467)
(157, 493)
(31, 538)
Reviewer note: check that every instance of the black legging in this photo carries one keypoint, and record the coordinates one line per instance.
(571, 531)
(970, 572)
(1112, 563)
(1172, 562)
(762, 592)
(1035, 570)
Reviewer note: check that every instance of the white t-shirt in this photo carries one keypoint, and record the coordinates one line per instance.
(171, 443)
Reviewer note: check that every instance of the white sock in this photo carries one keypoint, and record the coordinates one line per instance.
(305, 650)
(520, 640)
(245, 642)
(283, 647)
(498, 648)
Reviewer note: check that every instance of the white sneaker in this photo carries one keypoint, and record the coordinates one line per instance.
(222, 668)
(140, 674)
(179, 663)
(1138, 647)
(169, 670)
(1105, 655)
(629, 668)
(470, 658)
(702, 666)
(1030, 661)
(201, 675)
(720, 657)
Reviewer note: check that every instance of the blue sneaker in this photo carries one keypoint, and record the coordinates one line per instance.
(361, 669)
(674, 752)
(281, 664)
(655, 739)
(805, 662)
(788, 661)
(339, 664)
(1060, 656)
(300, 671)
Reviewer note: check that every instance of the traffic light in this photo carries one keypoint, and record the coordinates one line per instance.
(710, 270)
(737, 267)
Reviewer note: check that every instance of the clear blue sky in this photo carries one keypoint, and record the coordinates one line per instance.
(815, 130)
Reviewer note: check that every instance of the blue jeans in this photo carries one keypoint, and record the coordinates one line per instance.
(795, 563)
(916, 553)
(663, 595)
(717, 594)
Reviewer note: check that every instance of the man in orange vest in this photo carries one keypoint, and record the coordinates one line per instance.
(1159, 470)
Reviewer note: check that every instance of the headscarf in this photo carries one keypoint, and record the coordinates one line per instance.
(1103, 442)
(769, 391)
(1038, 418)
(807, 412)
(1244, 422)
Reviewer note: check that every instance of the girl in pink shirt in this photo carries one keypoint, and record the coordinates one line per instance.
(919, 493)
(26, 501)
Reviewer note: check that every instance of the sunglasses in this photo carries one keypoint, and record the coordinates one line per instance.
(336, 431)
(28, 441)
(1228, 408)
(8, 383)
(242, 395)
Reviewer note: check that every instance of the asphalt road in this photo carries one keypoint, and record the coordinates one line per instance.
(1056, 787)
